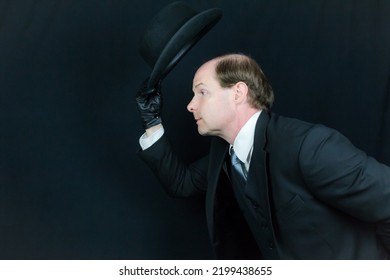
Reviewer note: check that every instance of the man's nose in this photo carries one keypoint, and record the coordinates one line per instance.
(192, 105)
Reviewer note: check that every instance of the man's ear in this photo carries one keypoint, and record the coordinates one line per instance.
(240, 92)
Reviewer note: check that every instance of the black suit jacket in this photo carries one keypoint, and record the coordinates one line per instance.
(310, 194)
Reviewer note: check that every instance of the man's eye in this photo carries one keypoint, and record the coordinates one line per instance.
(201, 93)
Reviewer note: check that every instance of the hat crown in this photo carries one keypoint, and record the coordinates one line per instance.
(162, 27)
(171, 34)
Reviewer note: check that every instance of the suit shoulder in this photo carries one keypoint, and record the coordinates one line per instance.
(289, 125)
(294, 131)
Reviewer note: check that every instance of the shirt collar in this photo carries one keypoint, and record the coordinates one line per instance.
(244, 141)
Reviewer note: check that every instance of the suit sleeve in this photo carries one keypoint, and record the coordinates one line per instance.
(343, 176)
(178, 178)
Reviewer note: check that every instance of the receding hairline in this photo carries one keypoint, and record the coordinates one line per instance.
(215, 62)
(225, 57)
(231, 56)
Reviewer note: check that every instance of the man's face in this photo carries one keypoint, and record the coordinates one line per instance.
(211, 105)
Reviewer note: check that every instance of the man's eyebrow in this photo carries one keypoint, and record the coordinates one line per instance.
(198, 85)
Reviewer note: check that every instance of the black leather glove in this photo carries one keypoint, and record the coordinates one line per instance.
(149, 101)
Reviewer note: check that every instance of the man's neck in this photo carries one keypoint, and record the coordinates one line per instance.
(241, 120)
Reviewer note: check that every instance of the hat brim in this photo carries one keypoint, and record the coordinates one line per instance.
(183, 40)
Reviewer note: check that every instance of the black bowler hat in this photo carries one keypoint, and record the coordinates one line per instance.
(171, 34)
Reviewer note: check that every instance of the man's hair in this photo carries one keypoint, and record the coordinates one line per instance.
(233, 68)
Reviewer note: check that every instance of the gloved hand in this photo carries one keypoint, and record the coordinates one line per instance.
(149, 101)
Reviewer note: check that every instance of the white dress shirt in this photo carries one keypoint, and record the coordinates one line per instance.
(147, 141)
(243, 144)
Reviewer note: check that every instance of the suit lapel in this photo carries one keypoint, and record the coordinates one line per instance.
(257, 185)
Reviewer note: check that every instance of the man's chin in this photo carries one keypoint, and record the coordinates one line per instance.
(202, 132)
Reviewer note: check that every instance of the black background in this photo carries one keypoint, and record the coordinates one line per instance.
(71, 185)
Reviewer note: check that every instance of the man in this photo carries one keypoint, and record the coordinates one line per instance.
(298, 191)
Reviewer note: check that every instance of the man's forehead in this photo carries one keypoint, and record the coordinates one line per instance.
(201, 78)
(205, 70)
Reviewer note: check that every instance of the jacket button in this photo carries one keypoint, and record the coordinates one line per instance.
(271, 245)
(264, 226)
